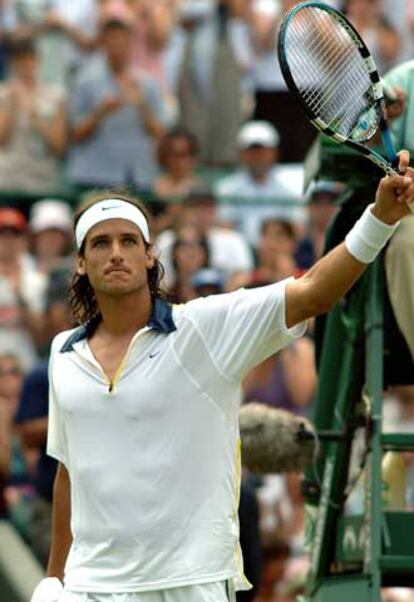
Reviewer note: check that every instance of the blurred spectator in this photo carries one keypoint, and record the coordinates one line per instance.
(32, 125)
(190, 253)
(5, 450)
(293, 583)
(275, 252)
(51, 228)
(229, 252)
(377, 32)
(322, 204)
(32, 419)
(21, 290)
(116, 116)
(8, 27)
(271, 491)
(158, 48)
(291, 531)
(260, 180)
(177, 157)
(21, 460)
(399, 409)
(282, 513)
(68, 32)
(10, 372)
(292, 515)
(207, 281)
(214, 76)
(274, 103)
(275, 555)
(285, 380)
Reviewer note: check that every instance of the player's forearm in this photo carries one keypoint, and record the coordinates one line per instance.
(331, 278)
(61, 533)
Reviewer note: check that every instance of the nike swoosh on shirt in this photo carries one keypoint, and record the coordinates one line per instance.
(151, 355)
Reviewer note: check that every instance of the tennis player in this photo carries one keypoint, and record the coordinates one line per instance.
(144, 407)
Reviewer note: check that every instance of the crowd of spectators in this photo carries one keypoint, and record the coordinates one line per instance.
(183, 102)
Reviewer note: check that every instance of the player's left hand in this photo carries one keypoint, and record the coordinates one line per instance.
(395, 193)
(48, 590)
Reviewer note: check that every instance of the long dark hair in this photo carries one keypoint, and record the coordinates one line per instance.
(82, 299)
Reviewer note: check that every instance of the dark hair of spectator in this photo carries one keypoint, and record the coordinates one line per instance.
(82, 298)
(165, 144)
(22, 46)
(283, 224)
(201, 196)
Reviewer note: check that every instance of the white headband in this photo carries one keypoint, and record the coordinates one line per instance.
(110, 209)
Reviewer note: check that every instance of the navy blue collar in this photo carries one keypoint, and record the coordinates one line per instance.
(161, 319)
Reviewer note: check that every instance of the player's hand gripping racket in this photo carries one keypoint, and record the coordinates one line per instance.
(328, 67)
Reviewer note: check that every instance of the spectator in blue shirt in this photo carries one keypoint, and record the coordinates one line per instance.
(116, 116)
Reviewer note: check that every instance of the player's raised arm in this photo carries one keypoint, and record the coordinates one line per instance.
(333, 275)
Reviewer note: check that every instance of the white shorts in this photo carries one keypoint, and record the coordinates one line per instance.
(208, 592)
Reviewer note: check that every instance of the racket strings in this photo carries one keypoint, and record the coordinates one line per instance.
(325, 45)
(333, 43)
(330, 73)
(339, 67)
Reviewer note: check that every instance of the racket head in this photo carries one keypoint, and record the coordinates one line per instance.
(327, 65)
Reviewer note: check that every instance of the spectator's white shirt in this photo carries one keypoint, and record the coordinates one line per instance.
(229, 252)
(154, 459)
(247, 202)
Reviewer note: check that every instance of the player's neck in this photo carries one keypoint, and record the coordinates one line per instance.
(123, 315)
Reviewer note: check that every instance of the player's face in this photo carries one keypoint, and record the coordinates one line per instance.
(116, 259)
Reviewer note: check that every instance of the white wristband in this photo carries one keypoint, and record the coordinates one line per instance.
(48, 590)
(368, 236)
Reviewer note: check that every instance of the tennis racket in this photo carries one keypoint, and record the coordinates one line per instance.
(327, 65)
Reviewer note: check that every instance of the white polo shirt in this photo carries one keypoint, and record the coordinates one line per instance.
(154, 458)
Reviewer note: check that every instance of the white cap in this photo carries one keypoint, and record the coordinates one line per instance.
(50, 214)
(258, 132)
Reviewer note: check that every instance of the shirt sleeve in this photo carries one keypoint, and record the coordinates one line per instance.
(56, 439)
(243, 328)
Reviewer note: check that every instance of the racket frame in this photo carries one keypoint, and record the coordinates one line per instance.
(388, 166)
